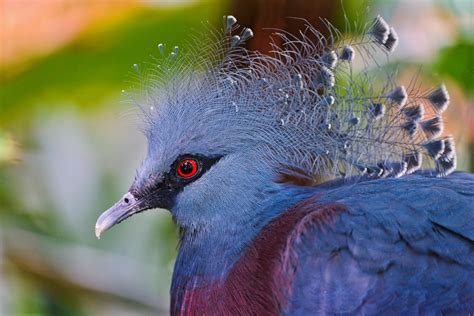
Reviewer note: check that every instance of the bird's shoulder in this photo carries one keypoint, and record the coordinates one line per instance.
(349, 239)
(408, 206)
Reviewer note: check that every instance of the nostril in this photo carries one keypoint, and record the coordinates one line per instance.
(126, 200)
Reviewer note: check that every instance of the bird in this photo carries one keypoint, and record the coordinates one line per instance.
(304, 182)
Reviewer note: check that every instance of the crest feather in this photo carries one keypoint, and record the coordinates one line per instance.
(307, 106)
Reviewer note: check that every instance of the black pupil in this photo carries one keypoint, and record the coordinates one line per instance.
(186, 168)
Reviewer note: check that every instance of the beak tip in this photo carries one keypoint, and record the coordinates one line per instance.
(98, 232)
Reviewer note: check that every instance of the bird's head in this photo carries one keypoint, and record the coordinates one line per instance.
(197, 166)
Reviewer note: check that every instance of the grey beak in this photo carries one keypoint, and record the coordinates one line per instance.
(124, 208)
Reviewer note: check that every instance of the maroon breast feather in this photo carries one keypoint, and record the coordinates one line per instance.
(261, 280)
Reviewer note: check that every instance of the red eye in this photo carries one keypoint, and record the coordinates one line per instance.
(187, 168)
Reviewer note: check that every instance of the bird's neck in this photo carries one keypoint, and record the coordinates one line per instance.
(212, 262)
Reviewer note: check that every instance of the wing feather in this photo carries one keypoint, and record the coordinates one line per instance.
(401, 246)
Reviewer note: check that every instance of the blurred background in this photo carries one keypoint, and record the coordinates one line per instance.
(69, 141)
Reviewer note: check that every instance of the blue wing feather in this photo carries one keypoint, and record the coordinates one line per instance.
(402, 246)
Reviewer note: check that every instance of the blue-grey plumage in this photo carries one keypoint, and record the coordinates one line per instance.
(401, 246)
(295, 181)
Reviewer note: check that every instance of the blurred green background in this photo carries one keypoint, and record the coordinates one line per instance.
(69, 141)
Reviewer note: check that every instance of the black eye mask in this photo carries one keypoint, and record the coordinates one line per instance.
(183, 171)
